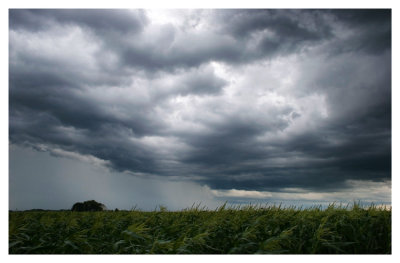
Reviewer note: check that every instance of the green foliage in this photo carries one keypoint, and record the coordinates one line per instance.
(89, 205)
(240, 230)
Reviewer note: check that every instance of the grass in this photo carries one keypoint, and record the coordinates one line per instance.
(235, 230)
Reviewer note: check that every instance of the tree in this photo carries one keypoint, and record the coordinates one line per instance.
(90, 205)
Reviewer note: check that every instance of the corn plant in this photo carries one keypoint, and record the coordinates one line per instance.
(226, 230)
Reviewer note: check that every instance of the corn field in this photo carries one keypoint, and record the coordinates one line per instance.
(235, 230)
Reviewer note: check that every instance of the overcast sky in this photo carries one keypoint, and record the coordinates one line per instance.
(175, 107)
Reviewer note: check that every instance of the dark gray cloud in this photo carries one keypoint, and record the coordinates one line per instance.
(237, 99)
(100, 20)
(277, 31)
(371, 30)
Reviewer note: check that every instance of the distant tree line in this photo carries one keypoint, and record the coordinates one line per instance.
(90, 205)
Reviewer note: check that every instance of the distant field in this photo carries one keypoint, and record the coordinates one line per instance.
(248, 230)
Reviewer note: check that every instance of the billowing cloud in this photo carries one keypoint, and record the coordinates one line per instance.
(259, 101)
(99, 20)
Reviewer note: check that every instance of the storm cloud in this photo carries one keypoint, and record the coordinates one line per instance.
(255, 100)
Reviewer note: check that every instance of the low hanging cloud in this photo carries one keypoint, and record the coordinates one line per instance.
(252, 100)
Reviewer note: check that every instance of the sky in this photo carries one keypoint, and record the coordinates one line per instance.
(141, 108)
